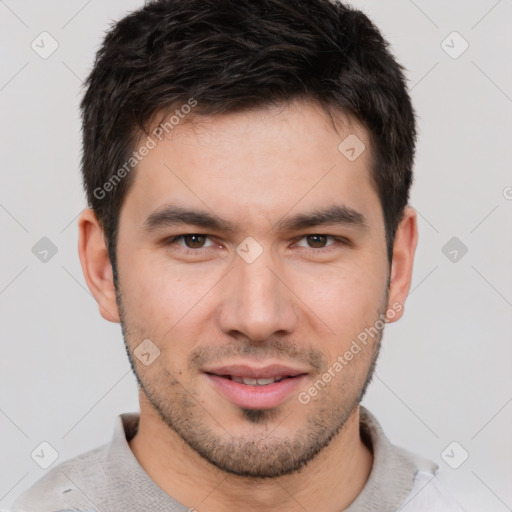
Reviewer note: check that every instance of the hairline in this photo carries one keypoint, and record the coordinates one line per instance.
(336, 115)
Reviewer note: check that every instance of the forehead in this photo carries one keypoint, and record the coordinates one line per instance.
(257, 164)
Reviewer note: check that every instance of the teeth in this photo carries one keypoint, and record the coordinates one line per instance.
(264, 382)
(255, 382)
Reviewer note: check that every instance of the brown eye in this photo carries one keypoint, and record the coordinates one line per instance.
(191, 241)
(320, 243)
(316, 241)
(194, 241)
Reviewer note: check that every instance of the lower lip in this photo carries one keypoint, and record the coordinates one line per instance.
(256, 397)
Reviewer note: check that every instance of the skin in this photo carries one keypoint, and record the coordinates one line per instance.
(301, 302)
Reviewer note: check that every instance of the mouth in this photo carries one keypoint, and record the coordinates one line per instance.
(253, 387)
(248, 381)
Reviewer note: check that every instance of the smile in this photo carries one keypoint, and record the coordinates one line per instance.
(254, 387)
(255, 382)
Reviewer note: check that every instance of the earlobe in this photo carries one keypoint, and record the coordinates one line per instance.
(96, 264)
(404, 249)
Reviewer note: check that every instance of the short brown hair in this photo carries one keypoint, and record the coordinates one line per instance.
(231, 55)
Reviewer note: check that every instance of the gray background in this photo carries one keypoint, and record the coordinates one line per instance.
(444, 374)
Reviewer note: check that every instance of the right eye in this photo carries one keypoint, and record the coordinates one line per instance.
(191, 241)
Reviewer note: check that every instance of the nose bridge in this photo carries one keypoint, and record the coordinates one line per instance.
(258, 304)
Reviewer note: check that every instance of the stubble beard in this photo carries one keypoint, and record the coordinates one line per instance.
(260, 456)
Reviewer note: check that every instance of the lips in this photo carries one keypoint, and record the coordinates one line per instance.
(256, 387)
(270, 371)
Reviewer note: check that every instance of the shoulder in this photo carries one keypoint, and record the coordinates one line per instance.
(60, 490)
(428, 494)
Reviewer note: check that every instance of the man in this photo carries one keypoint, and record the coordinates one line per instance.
(247, 166)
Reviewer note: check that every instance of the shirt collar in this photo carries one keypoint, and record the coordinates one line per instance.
(393, 471)
(389, 484)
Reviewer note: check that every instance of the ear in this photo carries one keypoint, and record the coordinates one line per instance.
(404, 248)
(96, 264)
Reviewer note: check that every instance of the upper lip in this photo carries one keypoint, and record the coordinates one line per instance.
(256, 372)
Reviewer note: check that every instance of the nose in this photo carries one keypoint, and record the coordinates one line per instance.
(257, 301)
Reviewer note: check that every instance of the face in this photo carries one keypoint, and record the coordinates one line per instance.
(251, 253)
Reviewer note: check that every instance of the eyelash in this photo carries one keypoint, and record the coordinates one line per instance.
(338, 241)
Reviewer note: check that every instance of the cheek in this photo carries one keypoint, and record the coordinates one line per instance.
(160, 288)
(168, 304)
(347, 300)
(150, 301)
(343, 294)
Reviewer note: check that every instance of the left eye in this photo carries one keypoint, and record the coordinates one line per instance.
(317, 241)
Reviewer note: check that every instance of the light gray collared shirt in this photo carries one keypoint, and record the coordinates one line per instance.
(110, 479)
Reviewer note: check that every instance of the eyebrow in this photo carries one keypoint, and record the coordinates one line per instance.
(173, 215)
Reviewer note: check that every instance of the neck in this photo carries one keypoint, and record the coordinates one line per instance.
(329, 482)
